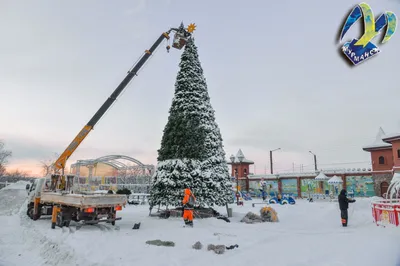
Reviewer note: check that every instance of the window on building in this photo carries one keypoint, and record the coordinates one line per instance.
(381, 160)
(398, 153)
(245, 171)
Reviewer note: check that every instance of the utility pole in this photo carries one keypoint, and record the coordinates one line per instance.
(270, 160)
(315, 161)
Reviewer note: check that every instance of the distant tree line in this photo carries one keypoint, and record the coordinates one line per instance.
(9, 176)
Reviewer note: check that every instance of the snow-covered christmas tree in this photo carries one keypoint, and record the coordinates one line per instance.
(191, 153)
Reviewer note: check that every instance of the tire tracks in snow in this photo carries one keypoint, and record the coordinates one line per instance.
(103, 228)
(53, 252)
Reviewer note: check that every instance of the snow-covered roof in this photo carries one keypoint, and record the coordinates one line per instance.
(391, 137)
(378, 143)
(238, 154)
(321, 176)
(335, 171)
(338, 171)
(335, 180)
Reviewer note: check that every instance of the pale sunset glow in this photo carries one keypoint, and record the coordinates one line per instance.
(57, 72)
(199, 133)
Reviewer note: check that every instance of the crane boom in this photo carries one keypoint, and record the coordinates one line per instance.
(179, 41)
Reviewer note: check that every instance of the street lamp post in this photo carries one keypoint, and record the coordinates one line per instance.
(315, 161)
(240, 158)
(279, 190)
(321, 184)
(270, 160)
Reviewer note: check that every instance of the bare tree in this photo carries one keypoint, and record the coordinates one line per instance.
(47, 165)
(4, 155)
(17, 173)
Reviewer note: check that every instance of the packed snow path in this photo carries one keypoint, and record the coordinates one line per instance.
(308, 234)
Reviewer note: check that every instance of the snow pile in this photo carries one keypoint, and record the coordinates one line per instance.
(100, 192)
(17, 185)
(12, 197)
(374, 198)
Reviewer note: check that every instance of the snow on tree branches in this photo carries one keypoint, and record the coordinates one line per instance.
(191, 153)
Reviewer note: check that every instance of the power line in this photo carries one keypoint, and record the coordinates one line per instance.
(302, 166)
(327, 164)
(344, 163)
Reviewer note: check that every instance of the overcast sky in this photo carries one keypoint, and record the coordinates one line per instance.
(273, 69)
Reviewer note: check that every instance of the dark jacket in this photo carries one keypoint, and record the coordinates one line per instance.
(344, 201)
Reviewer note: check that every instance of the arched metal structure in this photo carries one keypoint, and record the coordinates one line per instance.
(136, 176)
(112, 160)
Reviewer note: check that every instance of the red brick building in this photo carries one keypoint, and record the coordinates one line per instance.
(385, 158)
(242, 169)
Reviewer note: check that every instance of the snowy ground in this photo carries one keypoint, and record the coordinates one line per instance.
(308, 234)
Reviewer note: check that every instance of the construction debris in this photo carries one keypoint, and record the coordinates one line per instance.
(158, 242)
(218, 249)
(197, 245)
(268, 214)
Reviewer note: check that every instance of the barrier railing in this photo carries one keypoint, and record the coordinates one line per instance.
(386, 212)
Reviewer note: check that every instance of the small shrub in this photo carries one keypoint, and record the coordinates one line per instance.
(125, 191)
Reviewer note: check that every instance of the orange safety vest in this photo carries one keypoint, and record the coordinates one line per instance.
(189, 198)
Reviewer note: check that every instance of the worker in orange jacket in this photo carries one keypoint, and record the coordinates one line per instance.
(188, 205)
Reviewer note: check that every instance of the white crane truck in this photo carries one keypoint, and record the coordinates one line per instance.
(57, 195)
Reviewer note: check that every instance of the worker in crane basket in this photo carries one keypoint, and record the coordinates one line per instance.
(188, 205)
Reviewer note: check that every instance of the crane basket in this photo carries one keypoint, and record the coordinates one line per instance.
(180, 39)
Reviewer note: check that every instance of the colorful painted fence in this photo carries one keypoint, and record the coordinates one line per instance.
(307, 186)
(357, 186)
(360, 186)
(386, 212)
(289, 186)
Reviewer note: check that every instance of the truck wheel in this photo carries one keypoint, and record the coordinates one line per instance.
(35, 217)
(112, 216)
(59, 221)
(29, 212)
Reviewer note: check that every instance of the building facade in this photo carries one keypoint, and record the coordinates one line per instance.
(357, 181)
(385, 159)
(241, 169)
